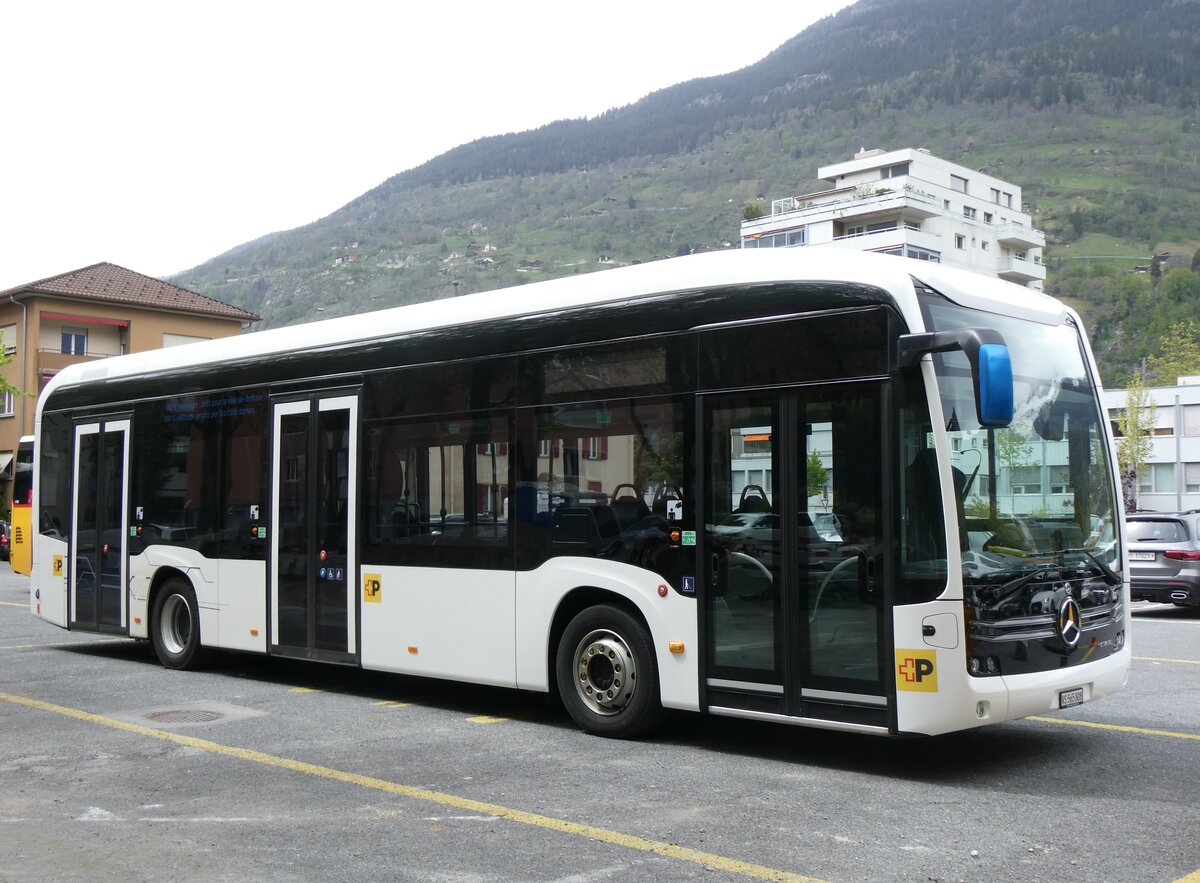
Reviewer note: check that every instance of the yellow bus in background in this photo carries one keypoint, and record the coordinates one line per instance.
(20, 545)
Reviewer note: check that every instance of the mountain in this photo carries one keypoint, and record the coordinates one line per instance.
(1090, 105)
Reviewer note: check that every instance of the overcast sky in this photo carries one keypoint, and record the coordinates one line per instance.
(157, 135)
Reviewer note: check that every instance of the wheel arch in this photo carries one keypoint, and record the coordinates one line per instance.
(572, 604)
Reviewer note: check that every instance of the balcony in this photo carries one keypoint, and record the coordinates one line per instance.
(1021, 270)
(50, 361)
(1019, 236)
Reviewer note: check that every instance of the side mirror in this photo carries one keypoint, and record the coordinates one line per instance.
(991, 367)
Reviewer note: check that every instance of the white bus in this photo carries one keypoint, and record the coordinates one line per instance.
(551, 488)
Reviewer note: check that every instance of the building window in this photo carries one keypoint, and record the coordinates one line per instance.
(958, 184)
(1007, 200)
(74, 342)
(785, 239)
(1027, 481)
(946, 204)
(8, 334)
(987, 217)
(1158, 478)
(1191, 478)
(995, 196)
(1060, 480)
(895, 171)
(960, 241)
(7, 404)
(968, 213)
(983, 244)
(1191, 419)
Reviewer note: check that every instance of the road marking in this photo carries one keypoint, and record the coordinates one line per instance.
(487, 719)
(549, 823)
(13, 604)
(81, 643)
(1120, 728)
(1193, 877)
(391, 703)
(1156, 659)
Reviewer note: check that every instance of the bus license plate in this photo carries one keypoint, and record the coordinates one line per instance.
(1067, 698)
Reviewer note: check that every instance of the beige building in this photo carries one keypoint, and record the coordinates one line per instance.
(88, 314)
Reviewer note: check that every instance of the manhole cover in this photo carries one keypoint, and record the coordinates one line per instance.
(184, 716)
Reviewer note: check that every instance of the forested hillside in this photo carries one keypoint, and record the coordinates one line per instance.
(1090, 105)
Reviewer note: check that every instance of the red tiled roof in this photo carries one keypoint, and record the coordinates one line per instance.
(108, 283)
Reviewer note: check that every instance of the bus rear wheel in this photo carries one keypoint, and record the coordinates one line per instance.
(175, 625)
(607, 675)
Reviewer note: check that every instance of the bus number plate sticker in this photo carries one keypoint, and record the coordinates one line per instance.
(689, 538)
(1068, 698)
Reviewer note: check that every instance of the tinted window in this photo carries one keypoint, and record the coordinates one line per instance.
(54, 453)
(1156, 531)
(822, 347)
(440, 389)
(606, 480)
(199, 478)
(437, 492)
(643, 367)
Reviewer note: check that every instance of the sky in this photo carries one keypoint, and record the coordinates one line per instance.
(158, 135)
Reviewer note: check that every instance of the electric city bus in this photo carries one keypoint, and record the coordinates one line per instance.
(835, 489)
(20, 546)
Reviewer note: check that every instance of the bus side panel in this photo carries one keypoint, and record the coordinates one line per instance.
(20, 541)
(671, 617)
(48, 589)
(243, 602)
(439, 622)
(934, 693)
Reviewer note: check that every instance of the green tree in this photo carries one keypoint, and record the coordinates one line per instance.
(1135, 427)
(752, 212)
(1178, 355)
(817, 474)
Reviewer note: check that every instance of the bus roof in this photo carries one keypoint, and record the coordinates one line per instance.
(705, 271)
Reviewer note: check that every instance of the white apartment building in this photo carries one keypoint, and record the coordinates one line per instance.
(909, 202)
(1170, 480)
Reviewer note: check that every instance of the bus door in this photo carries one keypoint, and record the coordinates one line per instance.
(312, 528)
(793, 553)
(97, 565)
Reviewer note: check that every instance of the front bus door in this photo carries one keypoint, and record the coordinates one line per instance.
(794, 553)
(97, 578)
(313, 542)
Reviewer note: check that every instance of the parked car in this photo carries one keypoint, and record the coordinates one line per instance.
(5, 548)
(1164, 557)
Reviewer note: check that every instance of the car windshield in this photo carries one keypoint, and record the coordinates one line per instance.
(1038, 492)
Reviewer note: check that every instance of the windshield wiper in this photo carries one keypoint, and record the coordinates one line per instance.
(1110, 575)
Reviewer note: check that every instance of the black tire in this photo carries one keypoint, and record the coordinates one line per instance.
(607, 674)
(175, 625)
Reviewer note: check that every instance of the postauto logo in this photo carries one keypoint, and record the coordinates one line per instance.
(916, 670)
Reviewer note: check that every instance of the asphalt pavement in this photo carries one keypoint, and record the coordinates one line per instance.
(112, 767)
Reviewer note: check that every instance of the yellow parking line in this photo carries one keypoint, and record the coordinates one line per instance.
(1193, 877)
(1120, 728)
(80, 643)
(1157, 659)
(389, 703)
(486, 719)
(13, 604)
(549, 823)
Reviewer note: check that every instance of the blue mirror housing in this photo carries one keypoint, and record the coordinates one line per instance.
(991, 367)
(994, 386)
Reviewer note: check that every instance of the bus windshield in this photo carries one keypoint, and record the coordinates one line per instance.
(1037, 492)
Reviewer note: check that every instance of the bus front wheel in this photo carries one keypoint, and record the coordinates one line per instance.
(607, 675)
(175, 625)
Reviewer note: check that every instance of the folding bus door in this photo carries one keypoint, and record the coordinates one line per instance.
(97, 565)
(313, 528)
(793, 551)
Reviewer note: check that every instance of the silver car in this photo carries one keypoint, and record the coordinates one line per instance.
(1164, 557)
